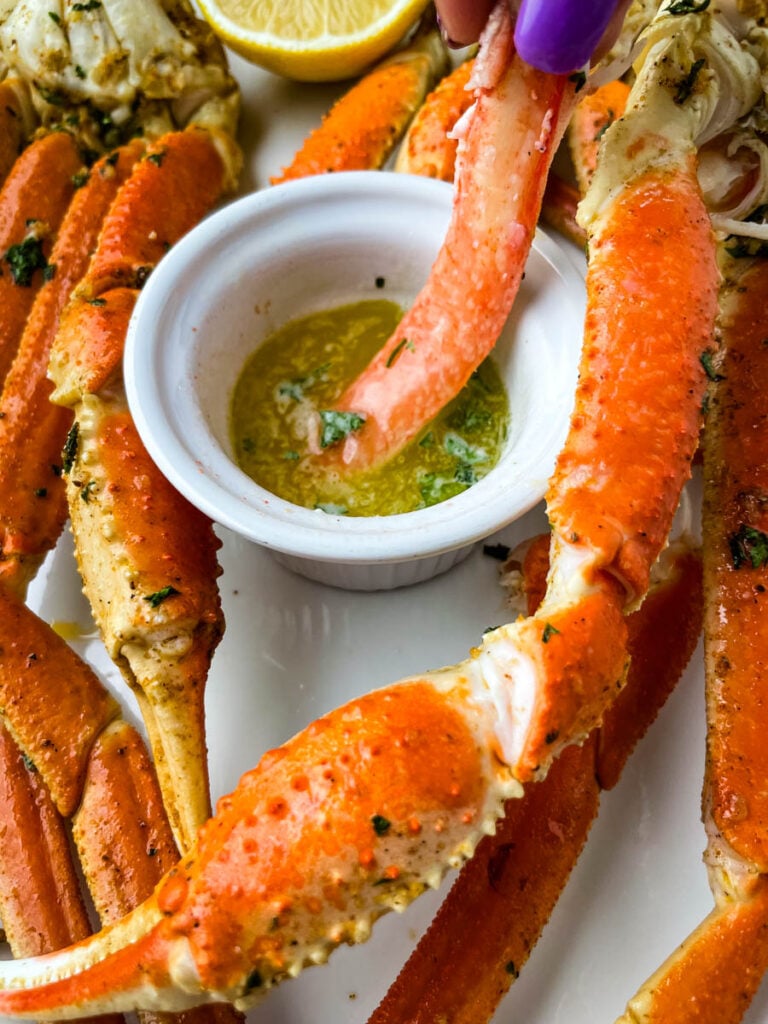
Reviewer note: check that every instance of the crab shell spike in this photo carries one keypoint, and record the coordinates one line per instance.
(355, 816)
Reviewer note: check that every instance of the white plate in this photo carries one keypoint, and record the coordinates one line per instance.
(293, 649)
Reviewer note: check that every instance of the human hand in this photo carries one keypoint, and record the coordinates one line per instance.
(558, 36)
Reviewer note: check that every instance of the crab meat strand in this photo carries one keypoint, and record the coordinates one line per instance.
(457, 317)
(429, 148)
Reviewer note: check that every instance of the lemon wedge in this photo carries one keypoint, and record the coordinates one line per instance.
(312, 40)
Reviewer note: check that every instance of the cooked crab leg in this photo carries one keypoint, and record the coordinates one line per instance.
(148, 559)
(16, 122)
(33, 201)
(363, 127)
(34, 858)
(716, 971)
(103, 779)
(429, 148)
(512, 883)
(32, 428)
(457, 317)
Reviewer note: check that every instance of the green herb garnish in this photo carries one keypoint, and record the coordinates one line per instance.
(338, 425)
(684, 88)
(709, 368)
(24, 259)
(161, 595)
(749, 546)
(548, 633)
(393, 355)
(381, 825)
(69, 454)
(687, 6)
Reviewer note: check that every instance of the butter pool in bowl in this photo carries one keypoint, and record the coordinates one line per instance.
(316, 244)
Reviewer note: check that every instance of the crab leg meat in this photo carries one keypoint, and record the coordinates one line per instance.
(32, 428)
(429, 148)
(457, 317)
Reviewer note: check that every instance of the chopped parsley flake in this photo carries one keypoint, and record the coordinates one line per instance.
(687, 7)
(54, 17)
(381, 825)
(466, 474)
(89, 5)
(86, 491)
(80, 71)
(749, 546)
(394, 354)
(69, 453)
(548, 632)
(684, 88)
(161, 595)
(338, 425)
(97, 302)
(461, 449)
(709, 368)
(157, 158)
(24, 259)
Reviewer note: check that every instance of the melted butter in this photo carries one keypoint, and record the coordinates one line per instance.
(302, 369)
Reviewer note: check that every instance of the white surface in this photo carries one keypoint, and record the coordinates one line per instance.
(293, 649)
(287, 251)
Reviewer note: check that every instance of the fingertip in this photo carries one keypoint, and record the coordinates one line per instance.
(461, 22)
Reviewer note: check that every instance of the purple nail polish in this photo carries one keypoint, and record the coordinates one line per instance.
(559, 36)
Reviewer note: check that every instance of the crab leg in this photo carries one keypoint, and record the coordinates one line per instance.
(102, 778)
(148, 559)
(32, 428)
(516, 876)
(429, 148)
(364, 126)
(701, 976)
(457, 317)
(16, 122)
(33, 201)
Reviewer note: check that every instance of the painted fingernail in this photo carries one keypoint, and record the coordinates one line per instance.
(559, 36)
